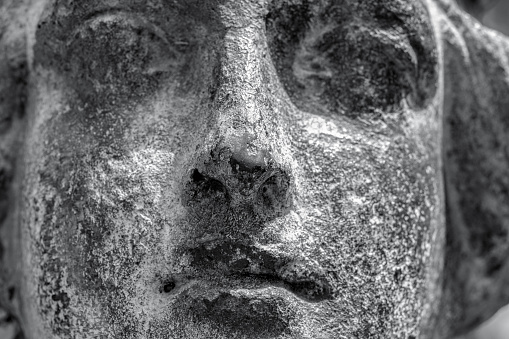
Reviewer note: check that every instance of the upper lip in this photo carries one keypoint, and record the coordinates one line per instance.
(248, 265)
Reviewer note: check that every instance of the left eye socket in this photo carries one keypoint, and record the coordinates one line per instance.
(334, 63)
(355, 71)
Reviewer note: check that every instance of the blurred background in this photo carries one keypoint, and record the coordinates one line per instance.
(494, 14)
(495, 328)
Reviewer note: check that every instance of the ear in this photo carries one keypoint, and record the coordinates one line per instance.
(476, 166)
(13, 79)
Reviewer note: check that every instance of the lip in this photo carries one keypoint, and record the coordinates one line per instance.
(309, 291)
(245, 307)
(229, 266)
(264, 296)
(209, 288)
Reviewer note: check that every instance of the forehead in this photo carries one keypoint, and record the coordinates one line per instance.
(239, 9)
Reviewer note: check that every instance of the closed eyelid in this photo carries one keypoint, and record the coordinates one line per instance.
(396, 41)
(135, 20)
(114, 54)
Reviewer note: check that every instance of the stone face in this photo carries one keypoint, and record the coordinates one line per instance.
(252, 169)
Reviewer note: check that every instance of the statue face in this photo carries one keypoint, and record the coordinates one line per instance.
(231, 169)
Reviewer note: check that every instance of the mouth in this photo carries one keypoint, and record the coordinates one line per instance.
(309, 291)
(226, 266)
(246, 290)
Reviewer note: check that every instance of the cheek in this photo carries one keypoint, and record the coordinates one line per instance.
(95, 225)
(371, 212)
(123, 210)
(99, 205)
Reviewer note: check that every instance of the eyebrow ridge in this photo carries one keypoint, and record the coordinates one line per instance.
(134, 17)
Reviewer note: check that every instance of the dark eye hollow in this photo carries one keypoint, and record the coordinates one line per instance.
(346, 66)
(111, 56)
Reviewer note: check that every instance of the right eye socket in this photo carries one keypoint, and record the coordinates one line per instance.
(120, 58)
(114, 56)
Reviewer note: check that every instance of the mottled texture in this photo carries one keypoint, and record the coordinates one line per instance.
(253, 169)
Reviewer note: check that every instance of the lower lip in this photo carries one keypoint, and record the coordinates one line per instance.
(256, 309)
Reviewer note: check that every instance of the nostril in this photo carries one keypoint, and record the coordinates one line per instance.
(273, 194)
(215, 185)
(266, 199)
(203, 188)
(270, 191)
(196, 176)
(167, 286)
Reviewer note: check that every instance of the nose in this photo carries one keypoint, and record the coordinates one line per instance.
(239, 180)
(241, 173)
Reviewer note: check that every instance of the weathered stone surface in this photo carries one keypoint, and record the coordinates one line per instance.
(252, 169)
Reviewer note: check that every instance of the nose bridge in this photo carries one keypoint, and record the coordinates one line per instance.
(246, 117)
(241, 86)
